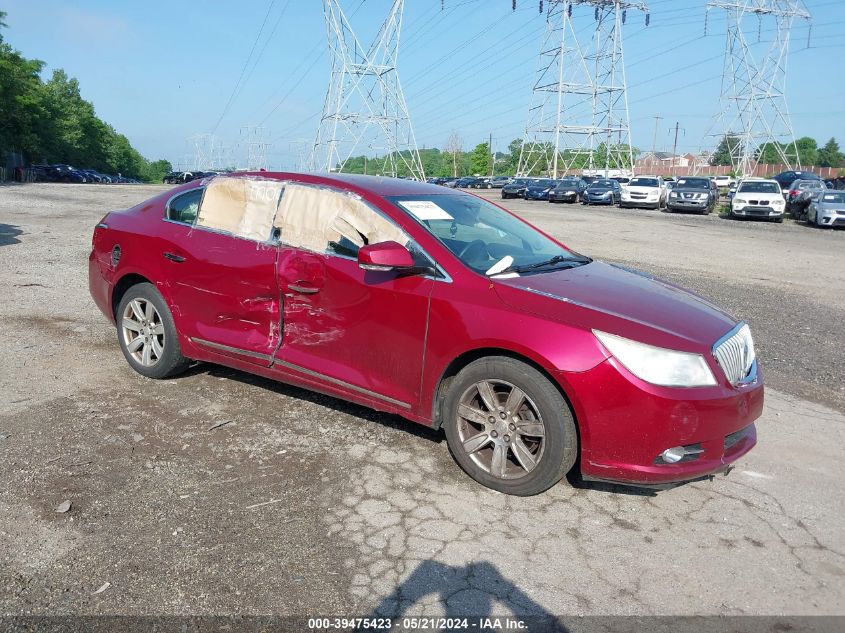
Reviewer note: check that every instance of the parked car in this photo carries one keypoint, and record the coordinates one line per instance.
(515, 188)
(602, 192)
(500, 181)
(786, 178)
(799, 194)
(644, 191)
(826, 209)
(693, 194)
(440, 307)
(758, 198)
(482, 183)
(723, 182)
(539, 189)
(450, 182)
(567, 190)
(465, 183)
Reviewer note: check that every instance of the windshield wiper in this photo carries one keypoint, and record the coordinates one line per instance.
(554, 261)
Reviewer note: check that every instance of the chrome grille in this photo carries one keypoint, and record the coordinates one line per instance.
(735, 354)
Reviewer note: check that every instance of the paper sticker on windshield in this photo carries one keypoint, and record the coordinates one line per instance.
(425, 210)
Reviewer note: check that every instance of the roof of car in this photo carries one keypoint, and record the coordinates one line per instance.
(379, 185)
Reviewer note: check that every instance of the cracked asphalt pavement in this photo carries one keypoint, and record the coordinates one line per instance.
(221, 493)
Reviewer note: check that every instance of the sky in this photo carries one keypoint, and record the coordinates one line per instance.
(164, 72)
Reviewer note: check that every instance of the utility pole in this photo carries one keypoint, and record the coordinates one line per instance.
(675, 146)
(657, 121)
(492, 155)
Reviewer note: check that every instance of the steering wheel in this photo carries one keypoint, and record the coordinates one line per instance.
(475, 250)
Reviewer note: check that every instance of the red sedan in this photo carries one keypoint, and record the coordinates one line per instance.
(441, 307)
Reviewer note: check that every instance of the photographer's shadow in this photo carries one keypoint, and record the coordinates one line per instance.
(468, 591)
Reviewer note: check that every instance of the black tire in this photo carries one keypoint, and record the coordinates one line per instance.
(170, 362)
(558, 448)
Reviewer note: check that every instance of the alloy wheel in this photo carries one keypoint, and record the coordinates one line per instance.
(143, 331)
(501, 429)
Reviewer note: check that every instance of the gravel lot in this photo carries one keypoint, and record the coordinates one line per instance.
(302, 504)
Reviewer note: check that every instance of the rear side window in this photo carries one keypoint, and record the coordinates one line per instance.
(184, 208)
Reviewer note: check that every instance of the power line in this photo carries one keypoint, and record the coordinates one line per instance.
(243, 69)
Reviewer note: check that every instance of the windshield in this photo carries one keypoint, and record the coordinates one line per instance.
(837, 198)
(542, 183)
(694, 183)
(567, 183)
(518, 181)
(484, 237)
(606, 184)
(644, 182)
(811, 184)
(759, 187)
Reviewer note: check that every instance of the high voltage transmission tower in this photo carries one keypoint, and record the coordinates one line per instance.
(753, 110)
(578, 117)
(365, 106)
(256, 147)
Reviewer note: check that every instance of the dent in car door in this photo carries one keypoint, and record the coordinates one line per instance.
(364, 330)
(223, 286)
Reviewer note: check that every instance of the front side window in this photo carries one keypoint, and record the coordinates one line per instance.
(484, 237)
(184, 208)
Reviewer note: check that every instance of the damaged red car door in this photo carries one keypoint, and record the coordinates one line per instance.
(361, 330)
(224, 290)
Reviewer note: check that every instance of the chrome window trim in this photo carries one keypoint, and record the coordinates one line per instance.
(166, 217)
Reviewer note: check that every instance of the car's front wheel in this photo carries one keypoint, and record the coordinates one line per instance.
(509, 427)
(147, 334)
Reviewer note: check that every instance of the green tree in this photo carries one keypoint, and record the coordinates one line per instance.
(480, 159)
(727, 147)
(830, 156)
(52, 122)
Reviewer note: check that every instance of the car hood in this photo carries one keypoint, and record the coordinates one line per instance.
(598, 189)
(620, 301)
(641, 189)
(759, 196)
(538, 187)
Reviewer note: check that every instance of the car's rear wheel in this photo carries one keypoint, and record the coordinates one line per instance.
(508, 427)
(147, 334)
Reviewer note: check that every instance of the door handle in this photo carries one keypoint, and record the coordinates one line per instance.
(174, 258)
(306, 290)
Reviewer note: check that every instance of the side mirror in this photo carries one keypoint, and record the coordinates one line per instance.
(385, 257)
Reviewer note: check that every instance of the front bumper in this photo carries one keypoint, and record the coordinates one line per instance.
(625, 423)
(640, 204)
(563, 197)
(831, 219)
(680, 204)
(536, 196)
(597, 200)
(758, 211)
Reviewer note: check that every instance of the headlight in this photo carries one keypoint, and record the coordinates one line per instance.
(777, 203)
(739, 201)
(673, 195)
(659, 366)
